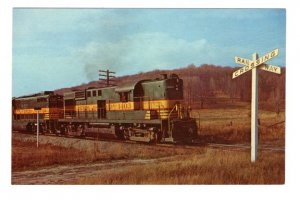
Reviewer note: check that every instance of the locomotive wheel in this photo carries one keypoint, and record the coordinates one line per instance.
(190, 132)
(68, 130)
(42, 129)
(82, 130)
(159, 136)
(78, 130)
(126, 134)
(29, 128)
(153, 137)
(55, 132)
(62, 130)
(33, 129)
(120, 134)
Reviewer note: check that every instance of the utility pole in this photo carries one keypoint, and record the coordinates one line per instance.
(105, 75)
(37, 129)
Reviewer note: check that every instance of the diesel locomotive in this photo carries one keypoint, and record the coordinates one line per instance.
(143, 110)
(25, 108)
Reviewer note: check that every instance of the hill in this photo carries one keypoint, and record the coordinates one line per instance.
(213, 86)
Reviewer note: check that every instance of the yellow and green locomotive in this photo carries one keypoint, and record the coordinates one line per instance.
(25, 108)
(143, 110)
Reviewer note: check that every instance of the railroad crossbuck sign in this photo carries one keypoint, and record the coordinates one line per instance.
(253, 65)
(260, 63)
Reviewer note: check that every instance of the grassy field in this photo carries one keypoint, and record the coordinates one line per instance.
(25, 155)
(232, 125)
(201, 166)
(212, 167)
(180, 166)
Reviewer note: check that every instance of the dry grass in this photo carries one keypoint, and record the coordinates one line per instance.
(214, 167)
(26, 156)
(201, 166)
(232, 125)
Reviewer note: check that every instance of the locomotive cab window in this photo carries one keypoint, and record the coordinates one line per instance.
(89, 94)
(174, 90)
(124, 96)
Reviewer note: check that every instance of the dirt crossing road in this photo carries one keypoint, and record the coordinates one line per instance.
(68, 174)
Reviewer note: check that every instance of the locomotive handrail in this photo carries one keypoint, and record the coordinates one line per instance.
(169, 122)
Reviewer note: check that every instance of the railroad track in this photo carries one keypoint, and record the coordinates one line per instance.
(196, 145)
(245, 147)
(115, 140)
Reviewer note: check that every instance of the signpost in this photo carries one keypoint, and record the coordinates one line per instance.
(255, 64)
(37, 125)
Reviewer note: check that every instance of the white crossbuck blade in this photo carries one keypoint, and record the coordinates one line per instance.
(265, 67)
(260, 62)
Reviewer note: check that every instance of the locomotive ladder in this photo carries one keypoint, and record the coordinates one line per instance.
(170, 139)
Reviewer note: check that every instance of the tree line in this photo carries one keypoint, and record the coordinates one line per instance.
(207, 85)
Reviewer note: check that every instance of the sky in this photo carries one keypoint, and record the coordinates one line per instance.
(57, 48)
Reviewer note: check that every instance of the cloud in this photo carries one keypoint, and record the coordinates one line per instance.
(77, 42)
(142, 52)
(35, 20)
(236, 13)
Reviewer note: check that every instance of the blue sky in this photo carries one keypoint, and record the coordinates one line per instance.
(55, 48)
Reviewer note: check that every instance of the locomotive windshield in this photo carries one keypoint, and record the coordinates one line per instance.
(174, 89)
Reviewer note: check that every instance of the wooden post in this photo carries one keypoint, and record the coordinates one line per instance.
(37, 125)
(37, 129)
(254, 111)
